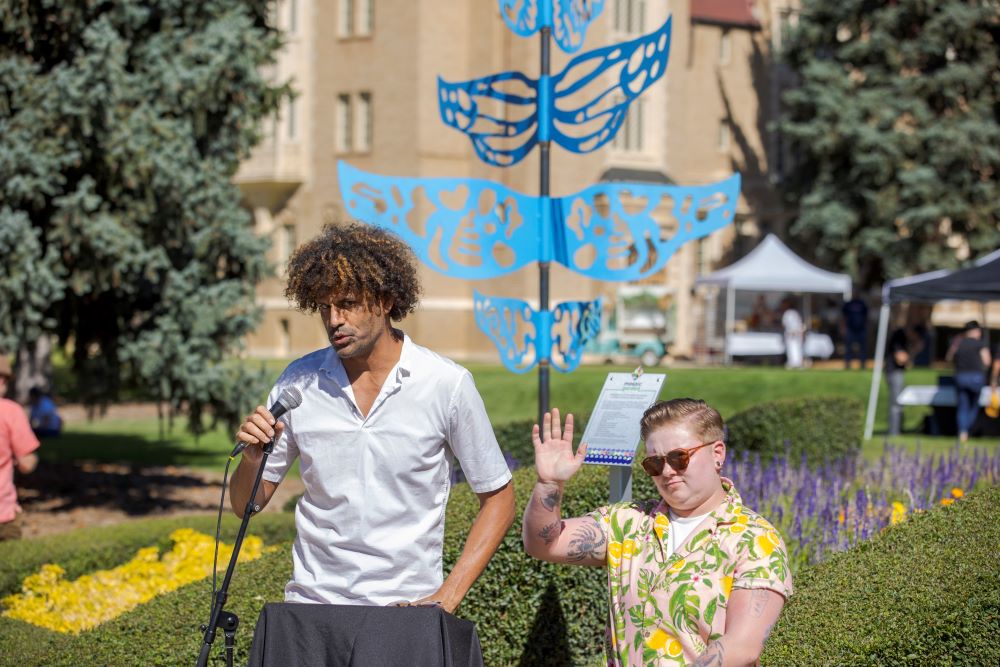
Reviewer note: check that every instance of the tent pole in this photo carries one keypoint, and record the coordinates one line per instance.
(982, 318)
(883, 325)
(730, 317)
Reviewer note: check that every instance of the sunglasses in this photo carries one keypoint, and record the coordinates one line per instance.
(677, 459)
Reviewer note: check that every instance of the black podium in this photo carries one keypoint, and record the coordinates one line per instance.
(290, 634)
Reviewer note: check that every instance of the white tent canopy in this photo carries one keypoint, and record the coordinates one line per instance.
(773, 267)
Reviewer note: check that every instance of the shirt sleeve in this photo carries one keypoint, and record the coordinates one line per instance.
(22, 438)
(472, 440)
(763, 561)
(285, 450)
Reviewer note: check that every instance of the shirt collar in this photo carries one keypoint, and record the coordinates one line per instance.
(334, 367)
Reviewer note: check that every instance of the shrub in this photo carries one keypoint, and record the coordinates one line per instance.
(924, 592)
(815, 428)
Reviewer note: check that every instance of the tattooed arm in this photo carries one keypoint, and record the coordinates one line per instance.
(750, 616)
(546, 535)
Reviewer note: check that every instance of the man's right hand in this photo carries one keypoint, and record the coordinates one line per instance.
(554, 458)
(258, 429)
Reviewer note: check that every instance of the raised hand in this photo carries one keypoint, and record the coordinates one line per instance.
(555, 461)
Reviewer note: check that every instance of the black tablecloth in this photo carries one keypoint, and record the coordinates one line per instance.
(289, 634)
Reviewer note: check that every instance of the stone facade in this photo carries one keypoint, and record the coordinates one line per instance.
(365, 72)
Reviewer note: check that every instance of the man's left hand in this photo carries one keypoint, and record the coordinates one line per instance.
(434, 600)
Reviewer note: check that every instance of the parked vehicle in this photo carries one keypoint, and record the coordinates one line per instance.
(640, 324)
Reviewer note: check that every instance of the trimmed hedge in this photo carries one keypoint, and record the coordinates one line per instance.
(816, 428)
(925, 592)
(925, 588)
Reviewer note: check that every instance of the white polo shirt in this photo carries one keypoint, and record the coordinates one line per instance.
(370, 525)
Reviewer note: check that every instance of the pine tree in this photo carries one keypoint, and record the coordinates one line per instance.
(123, 237)
(895, 127)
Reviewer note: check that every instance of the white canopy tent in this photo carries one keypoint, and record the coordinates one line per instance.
(773, 267)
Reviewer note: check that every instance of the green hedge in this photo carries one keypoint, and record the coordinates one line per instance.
(925, 592)
(925, 588)
(817, 428)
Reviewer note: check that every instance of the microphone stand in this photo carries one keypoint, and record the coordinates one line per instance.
(225, 620)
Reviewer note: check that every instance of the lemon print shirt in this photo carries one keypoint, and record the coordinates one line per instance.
(666, 607)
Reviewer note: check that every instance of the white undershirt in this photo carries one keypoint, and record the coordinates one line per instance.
(681, 528)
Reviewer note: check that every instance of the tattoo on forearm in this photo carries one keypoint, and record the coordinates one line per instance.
(551, 532)
(713, 656)
(587, 542)
(550, 500)
(758, 602)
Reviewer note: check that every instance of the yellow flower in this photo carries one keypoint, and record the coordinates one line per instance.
(660, 525)
(676, 567)
(48, 601)
(898, 512)
(726, 583)
(614, 553)
(841, 516)
(947, 501)
(957, 492)
(663, 640)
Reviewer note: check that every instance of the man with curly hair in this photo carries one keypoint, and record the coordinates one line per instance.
(381, 421)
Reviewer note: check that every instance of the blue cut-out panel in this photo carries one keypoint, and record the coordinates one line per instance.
(570, 19)
(523, 336)
(476, 229)
(501, 116)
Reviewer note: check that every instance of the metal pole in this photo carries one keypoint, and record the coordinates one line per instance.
(545, 34)
(883, 327)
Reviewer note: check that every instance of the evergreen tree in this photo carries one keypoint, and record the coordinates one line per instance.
(121, 125)
(895, 130)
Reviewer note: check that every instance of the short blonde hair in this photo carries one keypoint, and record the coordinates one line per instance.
(704, 420)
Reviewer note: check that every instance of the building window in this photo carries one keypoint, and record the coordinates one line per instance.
(630, 17)
(288, 242)
(364, 142)
(345, 27)
(725, 48)
(291, 120)
(631, 135)
(366, 16)
(284, 337)
(724, 136)
(345, 124)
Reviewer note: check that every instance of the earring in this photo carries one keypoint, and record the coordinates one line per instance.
(718, 465)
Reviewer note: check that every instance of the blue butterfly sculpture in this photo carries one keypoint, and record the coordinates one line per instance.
(477, 229)
(506, 114)
(524, 335)
(569, 24)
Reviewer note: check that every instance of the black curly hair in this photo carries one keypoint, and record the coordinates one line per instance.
(372, 264)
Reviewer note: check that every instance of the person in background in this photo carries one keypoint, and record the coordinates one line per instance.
(971, 359)
(44, 418)
(17, 450)
(795, 332)
(855, 314)
(904, 343)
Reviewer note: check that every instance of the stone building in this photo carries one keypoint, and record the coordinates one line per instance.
(365, 72)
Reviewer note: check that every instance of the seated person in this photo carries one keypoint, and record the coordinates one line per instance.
(44, 418)
(694, 577)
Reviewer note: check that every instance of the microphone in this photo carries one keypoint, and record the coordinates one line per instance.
(289, 399)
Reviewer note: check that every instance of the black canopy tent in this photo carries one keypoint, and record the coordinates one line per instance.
(979, 282)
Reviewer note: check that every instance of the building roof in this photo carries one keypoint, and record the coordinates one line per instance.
(737, 13)
(626, 175)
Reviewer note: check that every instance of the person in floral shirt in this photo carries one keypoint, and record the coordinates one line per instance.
(694, 577)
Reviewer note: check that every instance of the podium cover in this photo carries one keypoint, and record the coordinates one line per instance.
(347, 635)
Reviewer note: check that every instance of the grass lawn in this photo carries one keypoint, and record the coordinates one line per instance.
(511, 397)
